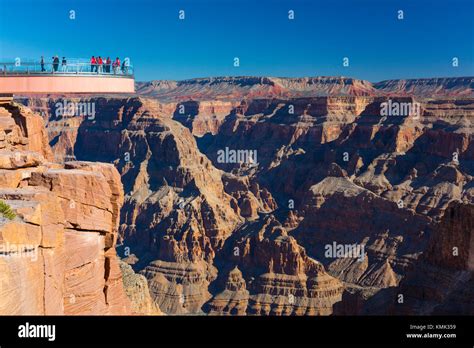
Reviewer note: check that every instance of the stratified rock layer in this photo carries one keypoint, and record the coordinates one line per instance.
(136, 289)
(58, 252)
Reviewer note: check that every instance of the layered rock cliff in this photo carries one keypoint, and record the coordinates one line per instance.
(280, 277)
(442, 281)
(58, 242)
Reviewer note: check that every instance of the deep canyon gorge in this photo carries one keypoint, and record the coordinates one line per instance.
(132, 212)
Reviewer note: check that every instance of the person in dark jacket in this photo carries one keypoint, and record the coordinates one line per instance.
(64, 65)
(107, 65)
(124, 67)
(55, 63)
(42, 64)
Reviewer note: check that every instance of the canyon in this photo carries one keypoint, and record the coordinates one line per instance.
(201, 235)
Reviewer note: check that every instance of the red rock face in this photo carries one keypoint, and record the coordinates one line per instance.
(333, 171)
(58, 250)
(21, 130)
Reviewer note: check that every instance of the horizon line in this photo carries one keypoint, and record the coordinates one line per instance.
(304, 77)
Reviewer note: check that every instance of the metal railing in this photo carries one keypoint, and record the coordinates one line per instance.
(72, 67)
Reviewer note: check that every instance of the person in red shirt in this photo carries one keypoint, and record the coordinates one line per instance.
(116, 65)
(93, 64)
(99, 64)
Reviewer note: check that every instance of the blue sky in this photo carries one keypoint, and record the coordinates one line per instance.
(160, 46)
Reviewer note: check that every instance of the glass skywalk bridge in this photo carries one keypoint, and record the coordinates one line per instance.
(76, 76)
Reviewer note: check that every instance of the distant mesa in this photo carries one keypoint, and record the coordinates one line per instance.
(250, 87)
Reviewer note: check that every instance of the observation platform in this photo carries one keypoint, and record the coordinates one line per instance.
(76, 76)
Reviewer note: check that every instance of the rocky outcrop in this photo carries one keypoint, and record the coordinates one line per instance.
(136, 288)
(179, 287)
(203, 117)
(278, 277)
(234, 299)
(442, 282)
(21, 129)
(251, 198)
(58, 250)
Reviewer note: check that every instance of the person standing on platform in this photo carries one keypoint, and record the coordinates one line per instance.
(42, 64)
(117, 65)
(107, 65)
(93, 64)
(55, 63)
(124, 67)
(99, 65)
(64, 65)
